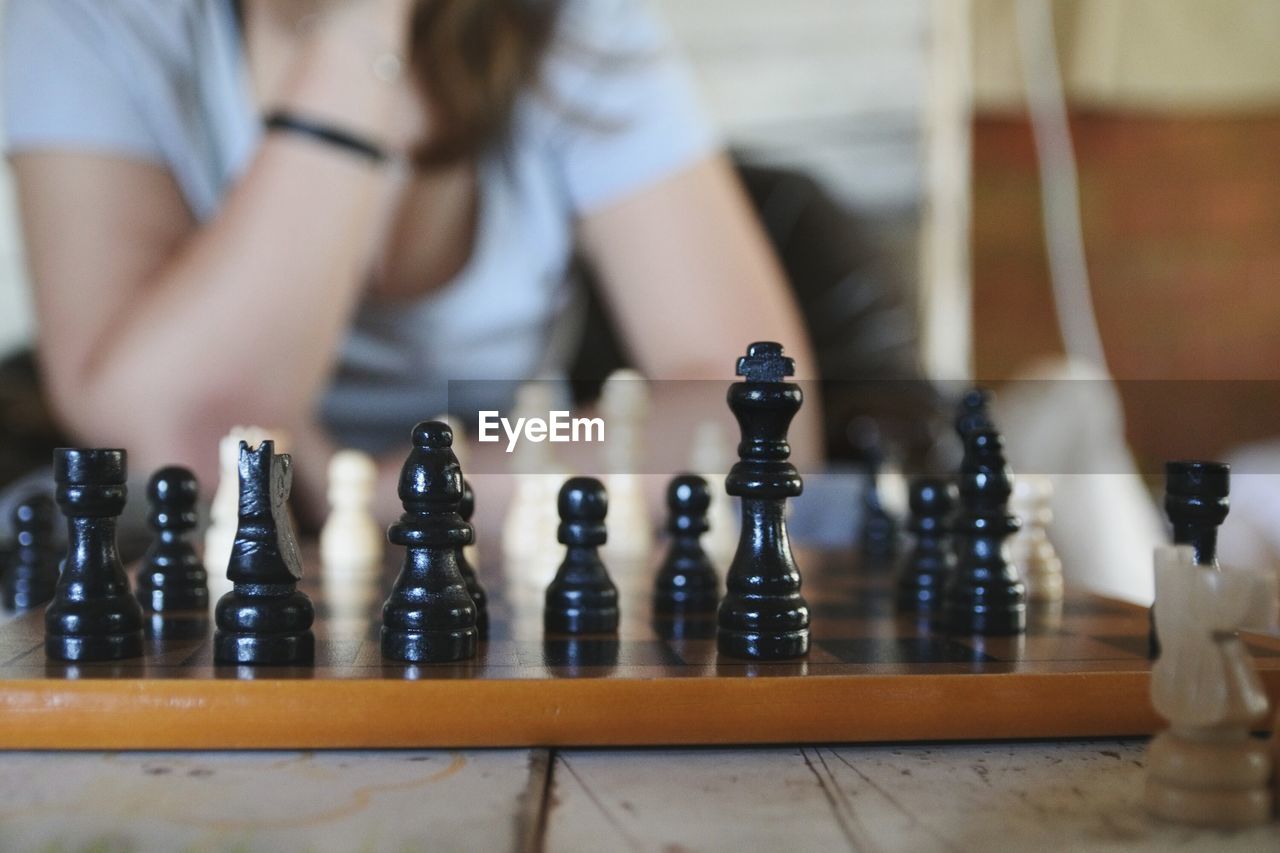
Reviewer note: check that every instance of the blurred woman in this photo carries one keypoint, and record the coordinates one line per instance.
(314, 214)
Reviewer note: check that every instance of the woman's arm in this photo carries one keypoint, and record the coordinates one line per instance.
(690, 279)
(158, 334)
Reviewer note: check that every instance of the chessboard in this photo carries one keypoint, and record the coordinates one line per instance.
(872, 674)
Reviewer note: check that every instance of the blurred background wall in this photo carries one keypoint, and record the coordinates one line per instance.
(1175, 114)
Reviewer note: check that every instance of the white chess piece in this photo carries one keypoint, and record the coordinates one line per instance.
(350, 535)
(529, 543)
(624, 405)
(1206, 769)
(1030, 548)
(711, 458)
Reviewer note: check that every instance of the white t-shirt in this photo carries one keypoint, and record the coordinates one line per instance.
(165, 81)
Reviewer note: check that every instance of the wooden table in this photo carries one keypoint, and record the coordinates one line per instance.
(1039, 796)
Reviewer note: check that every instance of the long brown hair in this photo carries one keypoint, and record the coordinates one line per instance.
(471, 59)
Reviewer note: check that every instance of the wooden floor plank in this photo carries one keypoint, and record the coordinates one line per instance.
(1038, 796)
(265, 801)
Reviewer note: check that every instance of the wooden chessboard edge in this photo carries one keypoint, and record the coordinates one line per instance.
(354, 713)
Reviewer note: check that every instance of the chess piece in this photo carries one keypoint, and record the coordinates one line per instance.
(879, 537)
(529, 529)
(223, 518)
(93, 616)
(351, 536)
(32, 573)
(931, 561)
(624, 404)
(1206, 769)
(763, 616)
(984, 595)
(462, 450)
(429, 616)
(171, 576)
(686, 584)
(1196, 500)
(478, 596)
(1030, 549)
(582, 598)
(973, 413)
(710, 457)
(265, 619)
(351, 543)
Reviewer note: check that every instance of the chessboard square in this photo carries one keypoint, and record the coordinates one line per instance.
(596, 652)
(863, 605)
(872, 650)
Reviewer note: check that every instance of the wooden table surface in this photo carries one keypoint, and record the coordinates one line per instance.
(1039, 796)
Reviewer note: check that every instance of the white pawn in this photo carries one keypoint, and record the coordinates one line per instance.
(624, 404)
(1030, 548)
(1206, 769)
(711, 458)
(350, 536)
(529, 528)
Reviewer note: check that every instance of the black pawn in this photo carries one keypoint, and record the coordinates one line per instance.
(973, 414)
(930, 562)
(687, 584)
(32, 573)
(478, 596)
(1196, 500)
(430, 616)
(265, 619)
(582, 598)
(985, 595)
(763, 616)
(93, 615)
(172, 577)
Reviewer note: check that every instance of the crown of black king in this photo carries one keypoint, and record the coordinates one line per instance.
(431, 491)
(764, 405)
(265, 549)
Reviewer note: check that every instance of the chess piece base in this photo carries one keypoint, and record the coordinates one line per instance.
(1212, 783)
(264, 649)
(575, 621)
(757, 645)
(429, 646)
(93, 648)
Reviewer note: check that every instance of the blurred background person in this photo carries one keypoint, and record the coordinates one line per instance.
(314, 215)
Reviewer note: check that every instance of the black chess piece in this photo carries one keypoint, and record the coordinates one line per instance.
(430, 617)
(931, 561)
(32, 573)
(686, 584)
(478, 596)
(763, 616)
(172, 577)
(581, 599)
(879, 536)
(973, 413)
(984, 595)
(93, 616)
(1196, 500)
(265, 619)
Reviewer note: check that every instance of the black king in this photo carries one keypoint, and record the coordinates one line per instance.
(763, 615)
